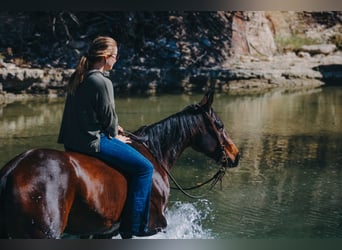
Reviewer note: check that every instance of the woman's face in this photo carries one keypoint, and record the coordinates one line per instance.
(111, 60)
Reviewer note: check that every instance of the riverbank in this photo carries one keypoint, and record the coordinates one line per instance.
(306, 68)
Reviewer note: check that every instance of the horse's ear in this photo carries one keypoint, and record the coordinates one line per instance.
(207, 100)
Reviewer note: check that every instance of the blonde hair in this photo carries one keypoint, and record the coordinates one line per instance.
(101, 46)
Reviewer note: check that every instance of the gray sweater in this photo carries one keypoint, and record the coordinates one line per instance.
(89, 112)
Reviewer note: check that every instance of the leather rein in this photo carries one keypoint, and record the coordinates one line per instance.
(217, 177)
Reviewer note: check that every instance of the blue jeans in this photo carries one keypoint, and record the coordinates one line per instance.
(139, 171)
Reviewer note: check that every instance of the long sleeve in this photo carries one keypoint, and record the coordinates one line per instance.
(88, 113)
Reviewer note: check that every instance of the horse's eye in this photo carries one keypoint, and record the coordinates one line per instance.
(219, 124)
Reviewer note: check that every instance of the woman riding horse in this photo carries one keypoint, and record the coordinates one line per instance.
(45, 193)
(90, 126)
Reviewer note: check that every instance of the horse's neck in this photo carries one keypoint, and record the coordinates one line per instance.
(169, 138)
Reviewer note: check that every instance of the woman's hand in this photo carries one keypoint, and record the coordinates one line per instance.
(123, 138)
(120, 130)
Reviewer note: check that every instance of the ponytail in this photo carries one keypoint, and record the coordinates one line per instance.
(78, 76)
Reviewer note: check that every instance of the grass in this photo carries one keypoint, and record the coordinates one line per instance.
(293, 43)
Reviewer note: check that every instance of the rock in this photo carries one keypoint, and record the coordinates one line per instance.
(9, 65)
(252, 34)
(303, 54)
(325, 49)
(17, 79)
(77, 44)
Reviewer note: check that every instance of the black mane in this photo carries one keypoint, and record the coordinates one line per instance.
(170, 136)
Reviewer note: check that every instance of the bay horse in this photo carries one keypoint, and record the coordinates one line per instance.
(47, 193)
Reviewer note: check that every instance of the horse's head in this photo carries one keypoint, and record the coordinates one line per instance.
(214, 140)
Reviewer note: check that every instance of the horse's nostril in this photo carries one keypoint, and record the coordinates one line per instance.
(235, 163)
(230, 163)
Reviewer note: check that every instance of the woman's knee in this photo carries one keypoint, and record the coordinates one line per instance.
(145, 167)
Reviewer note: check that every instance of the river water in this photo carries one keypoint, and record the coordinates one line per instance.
(288, 184)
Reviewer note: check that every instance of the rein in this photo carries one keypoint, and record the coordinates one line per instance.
(217, 177)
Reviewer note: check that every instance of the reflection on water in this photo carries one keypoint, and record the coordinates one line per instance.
(28, 124)
(289, 179)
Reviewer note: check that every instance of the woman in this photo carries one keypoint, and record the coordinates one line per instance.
(90, 126)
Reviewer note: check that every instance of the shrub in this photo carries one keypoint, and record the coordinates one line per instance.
(293, 43)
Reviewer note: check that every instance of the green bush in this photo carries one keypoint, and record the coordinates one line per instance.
(293, 43)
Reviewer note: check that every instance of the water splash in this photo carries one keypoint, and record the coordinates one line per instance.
(185, 221)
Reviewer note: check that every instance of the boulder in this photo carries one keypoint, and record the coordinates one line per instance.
(315, 49)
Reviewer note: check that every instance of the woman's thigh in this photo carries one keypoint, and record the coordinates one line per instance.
(123, 156)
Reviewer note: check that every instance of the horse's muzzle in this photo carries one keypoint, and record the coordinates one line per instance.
(232, 164)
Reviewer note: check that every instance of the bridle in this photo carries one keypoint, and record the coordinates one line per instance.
(217, 177)
(218, 129)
